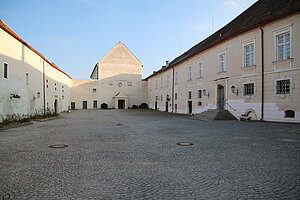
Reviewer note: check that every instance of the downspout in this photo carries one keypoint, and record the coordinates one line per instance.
(262, 73)
(44, 95)
(173, 89)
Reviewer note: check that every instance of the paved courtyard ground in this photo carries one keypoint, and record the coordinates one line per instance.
(133, 154)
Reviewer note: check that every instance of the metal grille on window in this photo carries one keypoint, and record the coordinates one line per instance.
(283, 86)
(249, 89)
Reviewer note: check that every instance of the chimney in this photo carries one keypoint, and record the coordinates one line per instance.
(167, 63)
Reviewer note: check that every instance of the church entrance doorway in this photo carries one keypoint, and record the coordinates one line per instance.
(121, 104)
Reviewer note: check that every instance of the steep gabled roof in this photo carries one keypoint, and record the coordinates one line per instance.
(259, 14)
(7, 29)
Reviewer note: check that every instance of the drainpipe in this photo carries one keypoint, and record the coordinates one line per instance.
(173, 89)
(44, 95)
(262, 73)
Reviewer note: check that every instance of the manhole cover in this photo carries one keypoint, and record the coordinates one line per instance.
(59, 146)
(184, 144)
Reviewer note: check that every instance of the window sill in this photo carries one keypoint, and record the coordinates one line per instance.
(281, 64)
(222, 72)
(283, 61)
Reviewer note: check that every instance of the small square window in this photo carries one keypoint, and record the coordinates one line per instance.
(283, 86)
(248, 89)
(94, 90)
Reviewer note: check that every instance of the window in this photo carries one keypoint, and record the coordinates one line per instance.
(200, 70)
(94, 90)
(222, 62)
(27, 78)
(161, 82)
(283, 46)
(199, 93)
(176, 77)
(175, 96)
(5, 70)
(289, 114)
(175, 108)
(248, 89)
(283, 86)
(161, 97)
(189, 73)
(167, 79)
(95, 104)
(156, 83)
(249, 55)
(190, 95)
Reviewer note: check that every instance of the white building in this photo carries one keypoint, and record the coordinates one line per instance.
(249, 67)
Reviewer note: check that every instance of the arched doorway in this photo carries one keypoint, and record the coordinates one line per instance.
(221, 97)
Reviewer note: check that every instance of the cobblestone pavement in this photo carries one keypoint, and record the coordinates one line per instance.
(133, 154)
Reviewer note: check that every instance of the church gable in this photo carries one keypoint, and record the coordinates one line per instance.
(120, 54)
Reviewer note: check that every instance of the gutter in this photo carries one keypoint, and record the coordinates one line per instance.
(262, 73)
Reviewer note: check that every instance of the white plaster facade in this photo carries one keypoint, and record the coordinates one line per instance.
(29, 83)
(119, 71)
(202, 72)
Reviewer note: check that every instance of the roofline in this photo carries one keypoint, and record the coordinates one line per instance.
(221, 41)
(7, 29)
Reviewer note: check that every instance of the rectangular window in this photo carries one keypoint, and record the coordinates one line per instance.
(167, 80)
(156, 83)
(161, 97)
(249, 55)
(248, 89)
(176, 77)
(27, 78)
(283, 86)
(199, 93)
(222, 62)
(190, 95)
(175, 96)
(161, 82)
(189, 73)
(200, 70)
(283, 46)
(5, 70)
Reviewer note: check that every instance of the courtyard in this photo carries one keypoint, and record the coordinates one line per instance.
(132, 154)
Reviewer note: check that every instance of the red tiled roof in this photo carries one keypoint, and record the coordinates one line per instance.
(259, 14)
(7, 29)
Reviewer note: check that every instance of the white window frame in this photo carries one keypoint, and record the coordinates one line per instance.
(7, 70)
(291, 86)
(247, 43)
(200, 69)
(219, 62)
(189, 73)
(280, 32)
(254, 89)
(156, 83)
(167, 80)
(176, 77)
(161, 81)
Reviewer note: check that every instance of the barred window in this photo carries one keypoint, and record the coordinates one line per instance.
(283, 86)
(248, 89)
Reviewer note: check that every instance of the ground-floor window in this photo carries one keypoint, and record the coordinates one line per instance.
(249, 89)
(283, 86)
(289, 114)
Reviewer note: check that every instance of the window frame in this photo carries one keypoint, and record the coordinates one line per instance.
(7, 70)
(200, 94)
(290, 86)
(280, 32)
(245, 44)
(254, 89)
(219, 62)
(189, 94)
(189, 72)
(200, 68)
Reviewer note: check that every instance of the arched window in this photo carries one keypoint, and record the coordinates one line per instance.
(289, 114)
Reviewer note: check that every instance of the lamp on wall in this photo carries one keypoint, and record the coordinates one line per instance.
(234, 90)
(205, 93)
(38, 95)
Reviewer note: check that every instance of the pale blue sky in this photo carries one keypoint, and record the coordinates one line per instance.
(75, 34)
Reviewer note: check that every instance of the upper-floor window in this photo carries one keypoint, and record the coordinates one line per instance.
(200, 69)
(249, 55)
(161, 81)
(94, 90)
(283, 86)
(167, 80)
(5, 70)
(175, 96)
(27, 78)
(283, 46)
(176, 77)
(248, 89)
(190, 95)
(222, 62)
(189, 72)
